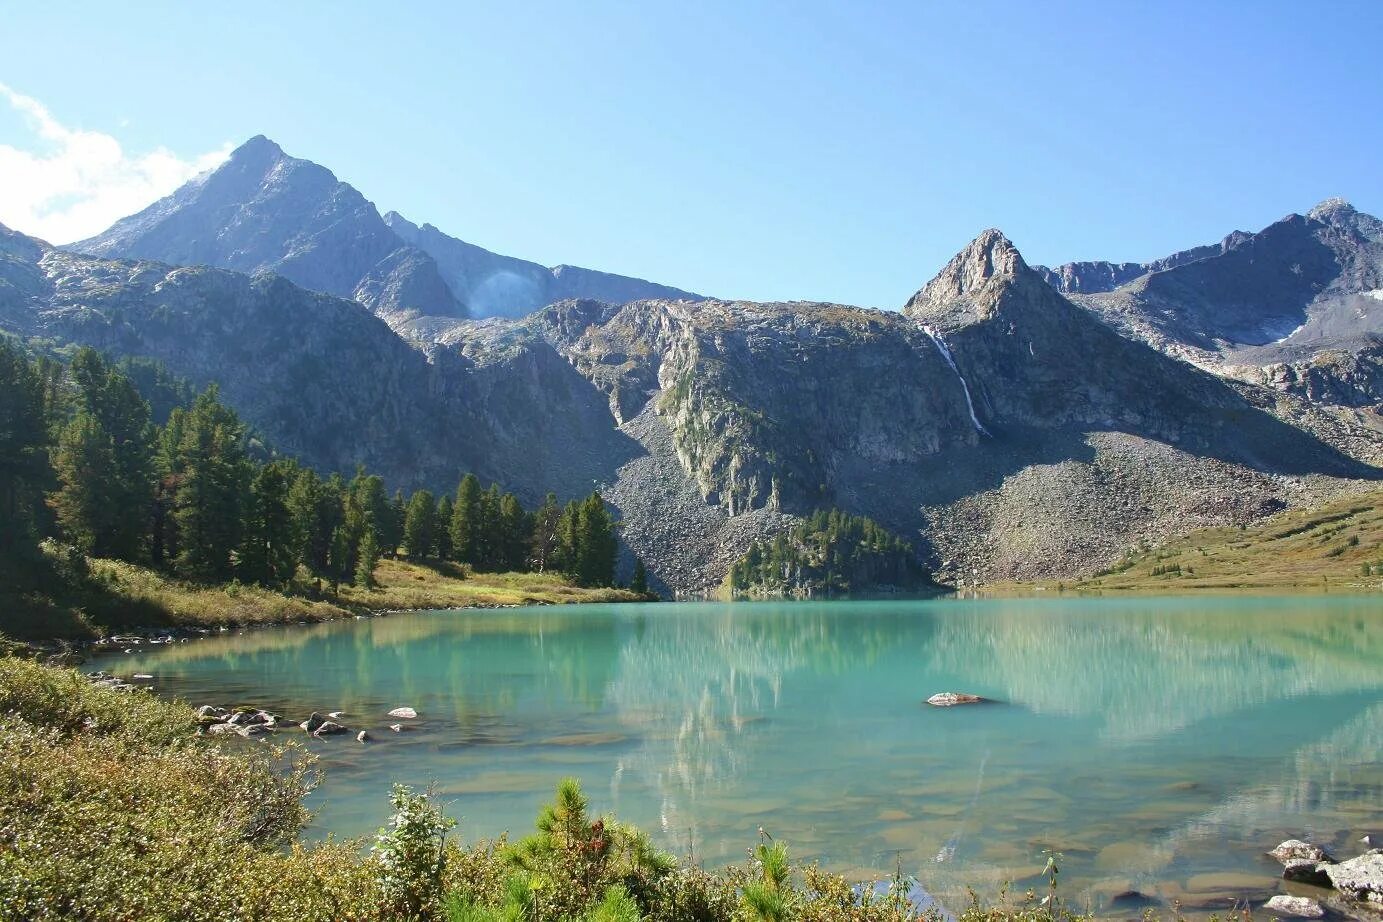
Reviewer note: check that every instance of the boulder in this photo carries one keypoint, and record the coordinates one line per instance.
(1296, 850)
(1294, 907)
(362, 736)
(313, 722)
(210, 710)
(249, 730)
(407, 713)
(950, 699)
(221, 728)
(1359, 878)
(1306, 871)
(328, 728)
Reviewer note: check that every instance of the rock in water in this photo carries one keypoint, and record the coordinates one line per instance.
(1294, 907)
(329, 727)
(950, 699)
(397, 728)
(1296, 850)
(362, 736)
(313, 723)
(1306, 871)
(403, 712)
(1359, 878)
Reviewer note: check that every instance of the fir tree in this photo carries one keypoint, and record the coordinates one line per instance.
(513, 532)
(367, 555)
(639, 581)
(270, 552)
(463, 520)
(391, 532)
(545, 539)
(441, 532)
(418, 526)
(211, 490)
(23, 443)
(85, 465)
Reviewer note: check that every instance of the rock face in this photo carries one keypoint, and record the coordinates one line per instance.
(1297, 306)
(504, 286)
(1360, 878)
(263, 209)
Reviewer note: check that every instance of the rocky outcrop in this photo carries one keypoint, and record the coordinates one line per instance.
(1294, 907)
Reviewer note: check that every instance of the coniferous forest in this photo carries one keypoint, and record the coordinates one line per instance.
(830, 553)
(119, 460)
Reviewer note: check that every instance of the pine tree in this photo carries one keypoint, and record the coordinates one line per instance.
(441, 532)
(489, 531)
(391, 534)
(463, 520)
(595, 545)
(341, 555)
(418, 539)
(121, 417)
(212, 488)
(366, 557)
(639, 581)
(514, 533)
(23, 458)
(544, 539)
(269, 555)
(85, 465)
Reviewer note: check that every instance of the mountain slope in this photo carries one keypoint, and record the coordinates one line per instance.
(1001, 428)
(504, 286)
(1297, 306)
(263, 209)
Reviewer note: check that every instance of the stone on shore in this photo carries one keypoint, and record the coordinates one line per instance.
(1359, 878)
(1296, 850)
(1294, 907)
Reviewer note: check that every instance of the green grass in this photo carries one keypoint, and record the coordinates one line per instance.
(1336, 547)
(121, 596)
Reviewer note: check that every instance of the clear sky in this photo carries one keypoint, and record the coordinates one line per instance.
(825, 151)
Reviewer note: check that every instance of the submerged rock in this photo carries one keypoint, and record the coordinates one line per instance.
(1359, 878)
(1297, 850)
(328, 728)
(951, 699)
(404, 712)
(362, 736)
(313, 722)
(1294, 907)
(397, 728)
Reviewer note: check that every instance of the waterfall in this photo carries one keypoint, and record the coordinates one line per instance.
(946, 354)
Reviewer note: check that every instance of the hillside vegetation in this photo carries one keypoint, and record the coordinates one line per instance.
(1335, 547)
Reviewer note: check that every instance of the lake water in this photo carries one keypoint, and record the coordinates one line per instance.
(1158, 744)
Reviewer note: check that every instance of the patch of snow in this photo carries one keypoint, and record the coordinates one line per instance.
(1376, 294)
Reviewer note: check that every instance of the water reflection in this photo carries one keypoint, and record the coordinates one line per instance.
(1150, 741)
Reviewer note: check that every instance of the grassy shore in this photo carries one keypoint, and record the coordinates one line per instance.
(117, 596)
(1336, 547)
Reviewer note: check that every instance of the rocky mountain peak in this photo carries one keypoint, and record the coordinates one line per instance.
(1331, 210)
(972, 281)
(257, 148)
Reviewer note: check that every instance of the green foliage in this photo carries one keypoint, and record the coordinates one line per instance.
(419, 527)
(411, 854)
(830, 552)
(212, 476)
(766, 897)
(366, 558)
(24, 439)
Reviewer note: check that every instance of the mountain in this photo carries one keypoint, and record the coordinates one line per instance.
(1297, 306)
(1002, 429)
(263, 209)
(503, 286)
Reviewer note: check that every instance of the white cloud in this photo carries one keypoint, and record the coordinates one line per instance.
(72, 184)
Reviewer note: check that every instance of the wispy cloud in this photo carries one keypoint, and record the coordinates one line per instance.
(66, 184)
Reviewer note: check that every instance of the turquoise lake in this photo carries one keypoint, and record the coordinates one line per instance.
(1158, 744)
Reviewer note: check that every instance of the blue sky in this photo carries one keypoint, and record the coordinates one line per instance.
(832, 151)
